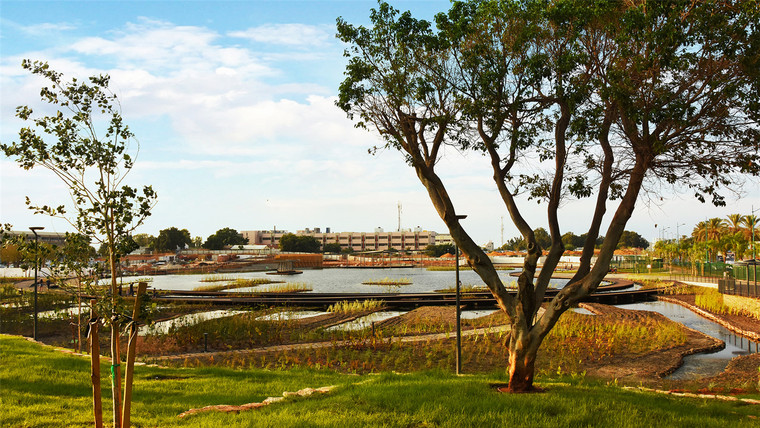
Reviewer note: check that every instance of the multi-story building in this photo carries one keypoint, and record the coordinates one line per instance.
(52, 238)
(379, 240)
(270, 238)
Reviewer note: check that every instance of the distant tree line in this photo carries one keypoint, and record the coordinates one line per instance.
(571, 241)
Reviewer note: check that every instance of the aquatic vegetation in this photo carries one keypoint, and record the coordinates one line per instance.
(464, 288)
(346, 307)
(217, 278)
(388, 281)
(236, 283)
(290, 287)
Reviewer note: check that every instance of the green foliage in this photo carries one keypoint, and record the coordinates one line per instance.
(299, 243)
(631, 239)
(172, 239)
(438, 250)
(332, 247)
(145, 240)
(224, 237)
(90, 154)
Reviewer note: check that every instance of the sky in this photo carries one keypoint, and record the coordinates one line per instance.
(232, 103)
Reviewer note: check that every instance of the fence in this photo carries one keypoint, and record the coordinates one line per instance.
(739, 278)
(637, 265)
(731, 286)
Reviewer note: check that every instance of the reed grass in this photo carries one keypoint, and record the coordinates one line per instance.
(217, 278)
(715, 302)
(237, 283)
(743, 305)
(464, 288)
(290, 287)
(346, 307)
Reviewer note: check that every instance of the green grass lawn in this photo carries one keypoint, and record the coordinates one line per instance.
(40, 386)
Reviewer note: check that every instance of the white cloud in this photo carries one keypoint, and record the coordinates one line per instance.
(286, 34)
(43, 29)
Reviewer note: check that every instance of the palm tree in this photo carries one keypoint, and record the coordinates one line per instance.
(735, 222)
(715, 228)
(700, 232)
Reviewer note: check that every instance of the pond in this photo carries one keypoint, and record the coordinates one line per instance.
(347, 280)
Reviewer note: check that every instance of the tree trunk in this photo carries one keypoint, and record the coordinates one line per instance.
(522, 360)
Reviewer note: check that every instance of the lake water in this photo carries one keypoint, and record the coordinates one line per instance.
(346, 280)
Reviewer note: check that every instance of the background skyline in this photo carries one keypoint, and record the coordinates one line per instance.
(233, 107)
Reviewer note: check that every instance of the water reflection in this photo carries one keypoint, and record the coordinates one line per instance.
(345, 280)
(164, 326)
(365, 321)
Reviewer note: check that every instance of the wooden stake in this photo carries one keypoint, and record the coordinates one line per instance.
(116, 373)
(131, 351)
(95, 366)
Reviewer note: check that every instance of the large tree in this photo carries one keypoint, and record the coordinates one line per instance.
(567, 99)
(86, 144)
(172, 239)
(224, 237)
(299, 243)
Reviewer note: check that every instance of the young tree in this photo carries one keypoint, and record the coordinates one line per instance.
(86, 144)
(600, 98)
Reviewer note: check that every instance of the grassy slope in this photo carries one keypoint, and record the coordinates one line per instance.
(42, 387)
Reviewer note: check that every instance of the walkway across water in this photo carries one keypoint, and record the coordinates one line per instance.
(614, 293)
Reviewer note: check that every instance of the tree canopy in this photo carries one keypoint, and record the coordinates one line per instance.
(438, 250)
(222, 238)
(172, 239)
(299, 243)
(567, 100)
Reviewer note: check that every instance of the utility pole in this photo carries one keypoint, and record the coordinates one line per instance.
(399, 216)
(502, 231)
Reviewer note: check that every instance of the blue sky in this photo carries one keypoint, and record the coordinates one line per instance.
(233, 106)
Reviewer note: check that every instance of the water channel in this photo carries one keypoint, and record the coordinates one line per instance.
(705, 364)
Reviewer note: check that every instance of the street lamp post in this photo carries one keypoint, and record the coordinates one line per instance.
(34, 230)
(459, 311)
(754, 257)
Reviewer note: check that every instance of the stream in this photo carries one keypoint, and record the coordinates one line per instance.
(704, 364)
